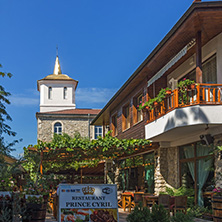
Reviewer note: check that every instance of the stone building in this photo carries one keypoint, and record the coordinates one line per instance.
(186, 124)
(58, 113)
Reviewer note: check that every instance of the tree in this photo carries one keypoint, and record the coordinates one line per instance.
(4, 116)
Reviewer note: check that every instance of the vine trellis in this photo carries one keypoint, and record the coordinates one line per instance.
(65, 152)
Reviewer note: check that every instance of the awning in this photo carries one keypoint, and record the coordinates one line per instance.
(171, 62)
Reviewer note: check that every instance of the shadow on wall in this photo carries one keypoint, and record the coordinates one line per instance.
(169, 157)
(182, 118)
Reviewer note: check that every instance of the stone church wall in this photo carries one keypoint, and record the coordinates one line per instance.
(69, 126)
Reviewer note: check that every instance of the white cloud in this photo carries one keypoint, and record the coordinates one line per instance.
(94, 95)
(85, 97)
(23, 100)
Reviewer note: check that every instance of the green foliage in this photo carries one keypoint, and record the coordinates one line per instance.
(159, 98)
(140, 213)
(181, 191)
(180, 217)
(197, 211)
(159, 214)
(183, 84)
(66, 152)
(31, 163)
(7, 172)
(4, 117)
(143, 214)
(35, 199)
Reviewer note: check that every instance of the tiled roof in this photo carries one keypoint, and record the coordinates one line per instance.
(76, 111)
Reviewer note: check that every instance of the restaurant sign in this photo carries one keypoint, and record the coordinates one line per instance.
(88, 202)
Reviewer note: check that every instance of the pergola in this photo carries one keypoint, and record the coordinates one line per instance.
(88, 165)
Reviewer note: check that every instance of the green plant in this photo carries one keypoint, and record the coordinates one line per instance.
(35, 199)
(185, 83)
(7, 182)
(86, 152)
(140, 213)
(182, 191)
(197, 211)
(158, 99)
(180, 217)
(159, 214)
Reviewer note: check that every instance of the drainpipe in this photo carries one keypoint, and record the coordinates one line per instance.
(89, 125)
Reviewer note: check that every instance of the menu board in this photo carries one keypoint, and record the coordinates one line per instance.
(88, 203)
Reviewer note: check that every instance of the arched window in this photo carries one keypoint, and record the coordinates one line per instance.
(58, 128)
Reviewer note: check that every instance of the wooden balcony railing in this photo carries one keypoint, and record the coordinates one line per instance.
(202, 94)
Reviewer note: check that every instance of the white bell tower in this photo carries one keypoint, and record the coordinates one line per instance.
(57, 91)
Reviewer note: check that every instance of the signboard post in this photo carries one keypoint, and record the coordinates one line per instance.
(88, 202)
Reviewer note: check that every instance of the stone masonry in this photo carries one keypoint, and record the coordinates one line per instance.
(69, 126)
(166, 169)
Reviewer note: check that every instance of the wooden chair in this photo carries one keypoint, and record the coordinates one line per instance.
(138, 197)
(164, 199)
(180, 204)
(149, 200)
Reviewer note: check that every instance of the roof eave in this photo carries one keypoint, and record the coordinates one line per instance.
(186, 15)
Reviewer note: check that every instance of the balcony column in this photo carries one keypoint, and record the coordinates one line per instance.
(198, 58)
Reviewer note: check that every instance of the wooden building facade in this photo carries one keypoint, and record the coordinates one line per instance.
(185, 130)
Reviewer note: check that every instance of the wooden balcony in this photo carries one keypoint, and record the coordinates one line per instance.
(202, 94)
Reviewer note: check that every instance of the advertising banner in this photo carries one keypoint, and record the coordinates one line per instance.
(88, 203)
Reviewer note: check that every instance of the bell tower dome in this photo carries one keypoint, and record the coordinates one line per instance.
(57, 91)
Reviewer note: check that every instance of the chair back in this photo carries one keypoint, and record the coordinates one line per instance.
(164, 199)
(138, 197)
(181, 202)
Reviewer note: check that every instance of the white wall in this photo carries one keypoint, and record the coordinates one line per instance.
(57, 101)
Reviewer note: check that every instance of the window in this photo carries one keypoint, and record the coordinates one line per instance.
(114, 125)
(65, 93)
(137, 172)
(195, 168)
(209, 69)
(126, 117)
(58, 128)
(50, 93)
(98, 131)
(137, 114)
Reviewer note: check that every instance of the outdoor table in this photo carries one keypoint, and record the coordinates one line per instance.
(149, 198)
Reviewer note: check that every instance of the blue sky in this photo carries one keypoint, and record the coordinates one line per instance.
(101, 43)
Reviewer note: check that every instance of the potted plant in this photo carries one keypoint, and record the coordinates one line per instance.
(155, 102)
(186, 84)
(168, 91)
(36, 196)
(148, 105)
